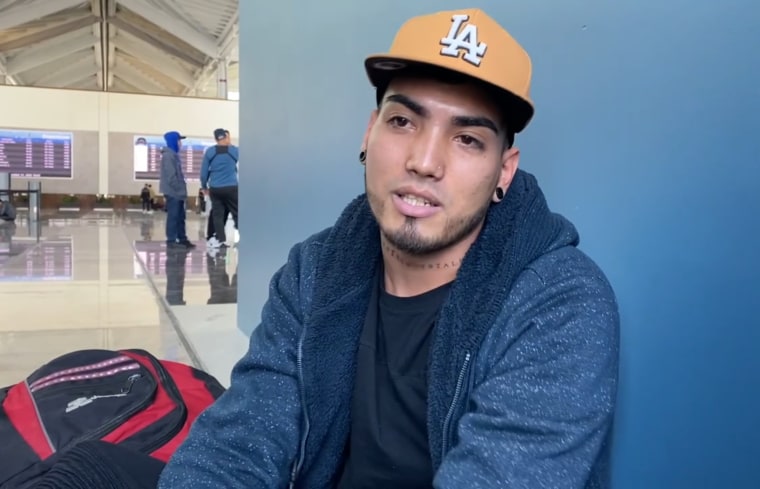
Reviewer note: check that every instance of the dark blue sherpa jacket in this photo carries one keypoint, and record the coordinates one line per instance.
(522, 377)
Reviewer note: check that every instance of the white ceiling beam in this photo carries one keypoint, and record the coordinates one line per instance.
(97, 32)
(200, 41)
(150, 55)
(4, 4)
(111, 62)
(48, 51)
(6, 78)
(99, 63)
(134, 31)
(40, 72)
(36, 9)
(203, 77)
(98, 51)
(75, 24)
(230, 39)
(55, 41)
(81, 64)
(75, 76)
(174, 8)
(123, 85)
(131, 75)
(84, 84)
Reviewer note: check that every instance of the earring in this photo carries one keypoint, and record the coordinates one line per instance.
(362, 156)
(499, 194)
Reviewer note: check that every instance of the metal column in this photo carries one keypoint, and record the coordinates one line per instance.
(35, 200)
(6, 229)
(5, 186)
(34, 191)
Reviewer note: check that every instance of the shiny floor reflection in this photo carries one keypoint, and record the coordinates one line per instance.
(91, 281)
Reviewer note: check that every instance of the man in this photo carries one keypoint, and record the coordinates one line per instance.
(219, 178)
(174, 188)
(152, 198)
(145, 198)
(7, 211)
(445, 332)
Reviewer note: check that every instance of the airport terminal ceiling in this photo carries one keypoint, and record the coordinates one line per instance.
(163, 47)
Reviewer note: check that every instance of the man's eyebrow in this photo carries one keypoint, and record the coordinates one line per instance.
(469, 121)
(408, 103)
(460, 121)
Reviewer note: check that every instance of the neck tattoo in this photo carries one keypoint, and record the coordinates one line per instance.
(402, 259)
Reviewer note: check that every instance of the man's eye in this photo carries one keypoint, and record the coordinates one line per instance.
(399, 121)
(470, 141)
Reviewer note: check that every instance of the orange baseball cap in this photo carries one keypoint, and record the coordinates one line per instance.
(464, 41)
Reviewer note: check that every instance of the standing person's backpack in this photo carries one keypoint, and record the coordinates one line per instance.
(125, 397)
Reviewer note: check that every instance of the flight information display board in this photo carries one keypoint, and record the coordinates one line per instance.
(147, 157)
(36, 153)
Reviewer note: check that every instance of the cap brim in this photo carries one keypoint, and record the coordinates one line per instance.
(381, 69)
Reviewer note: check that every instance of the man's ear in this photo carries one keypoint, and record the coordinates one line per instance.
(372, 119)
(510, 160)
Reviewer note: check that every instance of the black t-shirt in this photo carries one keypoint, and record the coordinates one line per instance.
(388, 444)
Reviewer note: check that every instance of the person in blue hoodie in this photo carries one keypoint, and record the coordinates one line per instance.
(446, 331)
(174, 188)
(219, 177)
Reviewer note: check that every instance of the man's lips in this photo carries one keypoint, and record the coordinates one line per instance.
(417, 195)
(415, 203)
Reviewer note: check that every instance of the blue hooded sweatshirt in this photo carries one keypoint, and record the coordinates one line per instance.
(522, 376)
(172, 140)
(172, 183)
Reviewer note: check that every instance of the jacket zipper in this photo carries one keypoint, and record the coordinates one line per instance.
(302, 451)
(454, 401)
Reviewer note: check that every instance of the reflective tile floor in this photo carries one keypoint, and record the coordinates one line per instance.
(105, 280)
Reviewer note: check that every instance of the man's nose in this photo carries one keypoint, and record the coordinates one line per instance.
(427, 155)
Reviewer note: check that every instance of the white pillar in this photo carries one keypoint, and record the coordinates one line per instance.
(221, 78)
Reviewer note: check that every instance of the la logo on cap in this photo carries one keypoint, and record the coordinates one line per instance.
(463, 39)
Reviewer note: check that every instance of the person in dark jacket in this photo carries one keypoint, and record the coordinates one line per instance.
(7, 211)
(145, 198)
(446, 331)
(174, 188)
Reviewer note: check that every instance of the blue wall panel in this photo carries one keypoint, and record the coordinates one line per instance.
(646, 136)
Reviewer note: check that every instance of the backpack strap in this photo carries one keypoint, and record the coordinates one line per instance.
(217, 154)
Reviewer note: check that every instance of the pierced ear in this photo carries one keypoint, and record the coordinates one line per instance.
(365, 139)
(498, 195)
(509, 165)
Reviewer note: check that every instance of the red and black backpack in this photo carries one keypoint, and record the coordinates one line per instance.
(125, 397)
